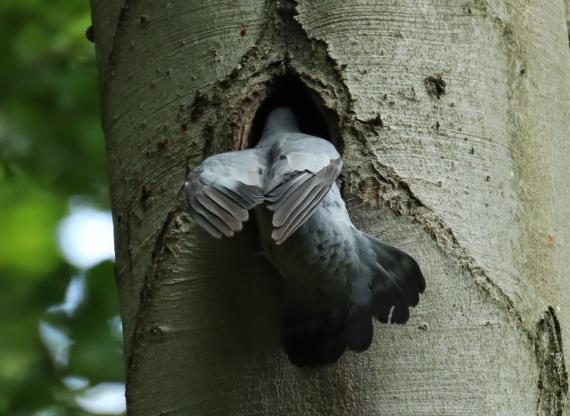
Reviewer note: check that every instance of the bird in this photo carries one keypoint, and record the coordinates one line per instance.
(335, 278)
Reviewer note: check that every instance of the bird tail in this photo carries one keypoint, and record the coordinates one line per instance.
(396, 281)
(313, 338)
(317, 331)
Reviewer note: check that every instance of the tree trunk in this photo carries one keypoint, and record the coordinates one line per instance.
(453, 120)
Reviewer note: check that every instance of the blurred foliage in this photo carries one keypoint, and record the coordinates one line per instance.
(51, 148)
(49, 118)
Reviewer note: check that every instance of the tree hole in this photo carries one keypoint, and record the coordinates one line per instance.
(313, 116)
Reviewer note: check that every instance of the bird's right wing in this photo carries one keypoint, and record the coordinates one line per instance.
(300, 177)
(223, 188)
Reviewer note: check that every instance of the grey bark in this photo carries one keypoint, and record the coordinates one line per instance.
(453, 120)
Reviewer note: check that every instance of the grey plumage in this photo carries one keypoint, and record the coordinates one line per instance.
(335, 277)
(223, 188)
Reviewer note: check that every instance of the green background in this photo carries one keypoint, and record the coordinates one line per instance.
(51, 150)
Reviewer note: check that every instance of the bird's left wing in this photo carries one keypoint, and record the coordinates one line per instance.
(222, 190)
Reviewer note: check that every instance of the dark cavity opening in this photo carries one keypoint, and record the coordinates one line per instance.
(313, 116)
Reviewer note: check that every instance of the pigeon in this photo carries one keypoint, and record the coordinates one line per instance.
(335, 277)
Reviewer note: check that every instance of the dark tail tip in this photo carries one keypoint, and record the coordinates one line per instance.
(321, 340)
(312, 341)
(359, 328)
(397, 283)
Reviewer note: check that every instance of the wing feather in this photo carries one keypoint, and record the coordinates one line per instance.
(303, 172)
(312, 203)
(223, 188)
(222, 214)
(275, 197)
(294, 200)
(213, 220)
(205, 224)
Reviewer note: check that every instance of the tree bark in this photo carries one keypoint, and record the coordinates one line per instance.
(453, 118)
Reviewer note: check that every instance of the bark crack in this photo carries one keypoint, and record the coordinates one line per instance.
(512, 31)
(398, 196)
(547, 340)
(401, 199)
(148, 288)
(552, 378)
(117, 34)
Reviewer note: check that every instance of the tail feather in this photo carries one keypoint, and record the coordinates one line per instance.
(318, 331)
(397, 282)
(314, 340)
(359, 328)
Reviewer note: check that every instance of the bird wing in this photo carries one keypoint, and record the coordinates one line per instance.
(302, 172)
(223, 188)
